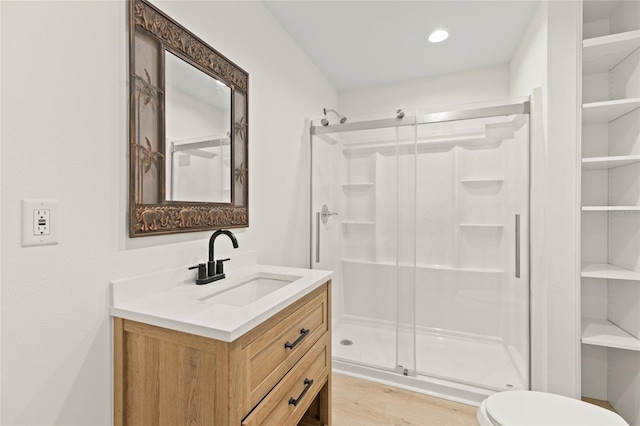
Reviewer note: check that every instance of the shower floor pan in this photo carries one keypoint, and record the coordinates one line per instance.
(457, 368)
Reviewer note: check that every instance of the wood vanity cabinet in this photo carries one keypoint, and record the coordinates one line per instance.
(279, 373)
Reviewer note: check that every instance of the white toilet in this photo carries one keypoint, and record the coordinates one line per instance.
(514, 408)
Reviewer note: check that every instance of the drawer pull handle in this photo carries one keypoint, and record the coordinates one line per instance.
(307, 385)
(303, 333)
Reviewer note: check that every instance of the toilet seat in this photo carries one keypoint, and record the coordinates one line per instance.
(513, 408)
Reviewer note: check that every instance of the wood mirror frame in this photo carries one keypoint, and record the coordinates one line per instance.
(151, 34)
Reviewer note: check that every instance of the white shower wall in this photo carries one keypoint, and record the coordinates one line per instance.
(438, 213)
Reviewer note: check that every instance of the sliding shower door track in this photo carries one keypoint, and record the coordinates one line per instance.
(434, 117)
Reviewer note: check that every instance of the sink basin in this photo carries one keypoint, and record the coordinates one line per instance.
(250, 289)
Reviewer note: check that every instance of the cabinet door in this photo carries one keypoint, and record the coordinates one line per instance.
(167, 377)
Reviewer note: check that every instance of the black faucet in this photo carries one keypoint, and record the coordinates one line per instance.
(215, 268)
(218, 269)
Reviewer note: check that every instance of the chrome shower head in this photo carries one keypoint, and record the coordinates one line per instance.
(341, 118)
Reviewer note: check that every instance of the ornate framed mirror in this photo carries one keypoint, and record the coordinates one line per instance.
(188, 127)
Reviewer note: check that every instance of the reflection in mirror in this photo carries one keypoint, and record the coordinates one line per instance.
(198, 144)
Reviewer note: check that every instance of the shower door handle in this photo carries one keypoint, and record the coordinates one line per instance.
(318, 237)
(517, 246)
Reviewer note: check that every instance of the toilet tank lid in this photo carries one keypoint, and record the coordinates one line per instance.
(516, 408)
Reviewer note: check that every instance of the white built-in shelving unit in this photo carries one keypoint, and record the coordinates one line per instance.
(610, 208)
(600, 54)
(604, 333)
(608, 271)
(607, 111)
(609, 162)
(610, 205)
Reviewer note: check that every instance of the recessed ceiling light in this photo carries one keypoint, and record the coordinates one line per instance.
(438, 35)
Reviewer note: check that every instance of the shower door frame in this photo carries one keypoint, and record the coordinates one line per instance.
(512, 107)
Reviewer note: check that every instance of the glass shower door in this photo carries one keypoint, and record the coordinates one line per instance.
(472, 283)
(368, 243)
(424, 221)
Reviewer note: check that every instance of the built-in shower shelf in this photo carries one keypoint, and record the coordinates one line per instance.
(599, 332)
(603, 163)
(482, 225)
(604, 112)
(608, 271)
(358, 186)
(425, 266)
(358, 223)
(600, 54)
(482, 180)
(609, 208)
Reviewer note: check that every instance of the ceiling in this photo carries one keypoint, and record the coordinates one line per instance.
(360, 44)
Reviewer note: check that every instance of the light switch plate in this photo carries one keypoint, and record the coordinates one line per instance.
(39, 222)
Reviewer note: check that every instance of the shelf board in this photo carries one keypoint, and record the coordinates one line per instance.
(357, 222)
(604, 112)
(609, 208)
(608, 271)
(601, 54)
(362, 185)
(604, 333)
(482, 225)
(600, 163)
(428, 266)
(482, 180)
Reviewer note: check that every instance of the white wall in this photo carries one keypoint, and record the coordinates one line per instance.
(480, 85)
(562, 224)
(547, 58)
(64, 136)
(528, 71)
(528, 67)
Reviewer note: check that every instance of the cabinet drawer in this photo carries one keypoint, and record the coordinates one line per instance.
(288, 401)
(274, 352)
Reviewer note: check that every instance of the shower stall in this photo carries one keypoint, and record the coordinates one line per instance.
(424, 218)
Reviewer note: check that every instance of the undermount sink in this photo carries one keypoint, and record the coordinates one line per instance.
(250, 289)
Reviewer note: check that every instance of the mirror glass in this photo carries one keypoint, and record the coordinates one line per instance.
(197, 135)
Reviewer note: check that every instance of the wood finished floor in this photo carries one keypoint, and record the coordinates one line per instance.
(599, 403)
(362, 403)
(359, 402)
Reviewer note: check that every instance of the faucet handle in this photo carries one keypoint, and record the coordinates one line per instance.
(202, 270)
(220, 266)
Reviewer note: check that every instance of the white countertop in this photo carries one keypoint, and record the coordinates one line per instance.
(171, 299)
